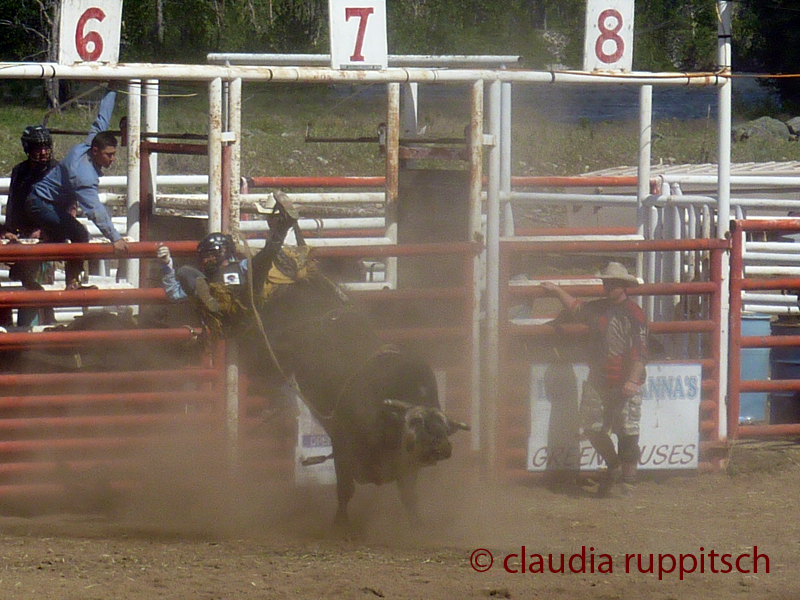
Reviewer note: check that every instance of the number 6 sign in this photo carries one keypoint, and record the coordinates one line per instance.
(609, 35)
(89, 31)
(358, 34)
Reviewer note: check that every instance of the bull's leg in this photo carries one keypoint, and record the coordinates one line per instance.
(407, 486)
(345, 488)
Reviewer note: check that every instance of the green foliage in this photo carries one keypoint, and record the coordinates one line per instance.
(672, 34)
(21, 29)
(770, 34)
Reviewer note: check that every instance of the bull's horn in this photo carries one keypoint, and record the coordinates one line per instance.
(454, 426)
(396, 404)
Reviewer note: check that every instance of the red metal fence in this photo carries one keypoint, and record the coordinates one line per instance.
(739, 283)
(63, 422)
(80, 408)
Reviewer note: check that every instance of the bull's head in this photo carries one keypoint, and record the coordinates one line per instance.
(425, 431)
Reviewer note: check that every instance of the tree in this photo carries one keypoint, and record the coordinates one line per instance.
(676, 34)
(766, 38)
(31, 33)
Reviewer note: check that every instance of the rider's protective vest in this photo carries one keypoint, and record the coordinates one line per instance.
(233, 277)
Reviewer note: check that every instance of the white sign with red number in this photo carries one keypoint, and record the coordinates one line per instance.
(609, 35)
(358, 34)
(90, 31)
(669, 428)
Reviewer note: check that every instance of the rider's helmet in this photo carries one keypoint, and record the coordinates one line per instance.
(214, 250)
(36, 137)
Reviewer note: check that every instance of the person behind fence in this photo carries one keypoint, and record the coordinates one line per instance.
(221, 265)
(38, 146)
(612, 394)
(75, 180)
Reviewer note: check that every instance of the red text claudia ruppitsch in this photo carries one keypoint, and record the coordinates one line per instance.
(590, 561)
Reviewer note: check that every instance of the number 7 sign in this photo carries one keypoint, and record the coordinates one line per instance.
(609, 35)
(358, 34)
(89, 31)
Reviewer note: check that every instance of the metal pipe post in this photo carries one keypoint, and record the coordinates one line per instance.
(134, 182)
(505, 159)
(410, 110)
(232, 406)
(392, 174)
(476, 187)
(643, 176)
(151, 89)
(735, 354)
(724, 193)
(215, 155)
(493, 316)
(235, 128)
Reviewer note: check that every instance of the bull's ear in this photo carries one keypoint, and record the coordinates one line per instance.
(396, 405)
(453, 426)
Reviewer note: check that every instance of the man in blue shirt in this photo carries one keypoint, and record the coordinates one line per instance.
(75, 180)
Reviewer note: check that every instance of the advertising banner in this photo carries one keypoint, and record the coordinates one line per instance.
(670, 431)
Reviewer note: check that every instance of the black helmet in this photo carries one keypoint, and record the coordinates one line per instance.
(35, 135)
(218, 245)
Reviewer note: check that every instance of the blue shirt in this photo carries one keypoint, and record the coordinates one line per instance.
(76, 178)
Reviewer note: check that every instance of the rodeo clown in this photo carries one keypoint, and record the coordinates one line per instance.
(223, 274)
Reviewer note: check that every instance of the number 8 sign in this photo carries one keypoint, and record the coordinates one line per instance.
(89, 31)
(609, 35)
(358, 34)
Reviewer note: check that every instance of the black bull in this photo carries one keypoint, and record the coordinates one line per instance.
(379, 405)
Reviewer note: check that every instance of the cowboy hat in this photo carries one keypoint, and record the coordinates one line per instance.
(618, 272)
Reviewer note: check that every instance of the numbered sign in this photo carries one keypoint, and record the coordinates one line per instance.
(358, 34)
(609, 35)
(89, 31)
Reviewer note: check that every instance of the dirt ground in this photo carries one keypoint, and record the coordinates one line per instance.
(280, 545)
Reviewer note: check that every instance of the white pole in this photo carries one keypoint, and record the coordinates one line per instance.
(409, 117)
(392, 175)
(505, 159)
(723, 209)
(235, 127)
(643, 180)
(215, 155)
(493, 267)
(176, 72)
(134, 176)
(232, 405)
(151, 125)
(476, 161)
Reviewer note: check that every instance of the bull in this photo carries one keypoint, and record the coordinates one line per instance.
(378, 404)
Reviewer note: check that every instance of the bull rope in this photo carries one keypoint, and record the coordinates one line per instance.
(252, 300)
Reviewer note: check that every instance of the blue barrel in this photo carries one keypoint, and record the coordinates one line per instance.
(784, 407)
(755, 366)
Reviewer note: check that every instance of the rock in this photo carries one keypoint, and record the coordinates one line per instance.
(497, 593)
(763, 127)
(794, 125)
